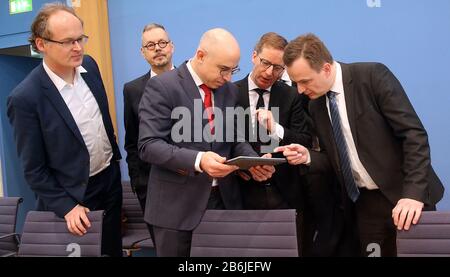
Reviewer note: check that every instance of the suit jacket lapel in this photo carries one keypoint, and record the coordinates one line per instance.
(274, 100)
(349, 94)
(188, 83)
(56, 99)
(244, 102)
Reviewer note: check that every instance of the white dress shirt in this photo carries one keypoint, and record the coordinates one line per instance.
(86, 113)
(198, 83)
(362, 177)
(278, 133)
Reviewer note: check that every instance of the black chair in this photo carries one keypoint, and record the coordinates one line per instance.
(45, 234)
(135, 234)
(430, 237)
(9, 240)
(246, 233)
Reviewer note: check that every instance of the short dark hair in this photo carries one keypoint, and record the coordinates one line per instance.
(272, 40)
(311, 48)
(152, 26)
(39, 27)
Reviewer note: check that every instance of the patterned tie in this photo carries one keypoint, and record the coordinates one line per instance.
(350, 185)
(208, 106)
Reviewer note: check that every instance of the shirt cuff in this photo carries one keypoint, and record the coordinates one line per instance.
(279, 132)
(197, 162)
(308, 161)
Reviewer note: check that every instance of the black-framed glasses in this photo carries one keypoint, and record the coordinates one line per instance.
(152, 45)
(70, 42)
(224, 71)
(277, 69)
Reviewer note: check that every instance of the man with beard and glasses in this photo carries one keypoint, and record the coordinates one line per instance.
(157, 49)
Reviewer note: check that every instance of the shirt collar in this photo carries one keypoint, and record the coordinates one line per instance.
(58, 81)
(253, 86)
(153, 73)
(197, 80)
(338, 85)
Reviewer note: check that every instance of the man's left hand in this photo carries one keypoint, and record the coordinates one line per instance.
(264, 172)
(406, 211)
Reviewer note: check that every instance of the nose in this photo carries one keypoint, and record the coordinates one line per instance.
(269, 70)
(76, 45)
(300, 88)
(227, 76)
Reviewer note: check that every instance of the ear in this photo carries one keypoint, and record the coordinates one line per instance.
(142, 52)
(40, 44)
(327, 68)
(200, 54)
(254, 57)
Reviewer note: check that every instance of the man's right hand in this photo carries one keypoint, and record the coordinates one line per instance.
(294, 153)
(77, 220)
(213, 164)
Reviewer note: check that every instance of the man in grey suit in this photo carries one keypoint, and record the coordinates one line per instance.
(371, 139)
(188, 172)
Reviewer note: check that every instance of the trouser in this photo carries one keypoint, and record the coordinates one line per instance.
(177, 243)
(104, 192)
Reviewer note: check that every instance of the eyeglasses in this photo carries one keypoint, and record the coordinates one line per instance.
(71, 42)
(277, 69)
(152, 45)
(224, 71)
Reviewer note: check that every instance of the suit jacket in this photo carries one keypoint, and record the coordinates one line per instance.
(391, 142)
(132, 94)
(177, 194)
(54, 156)
(293, 119)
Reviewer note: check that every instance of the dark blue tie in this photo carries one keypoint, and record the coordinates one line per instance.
(350, 185)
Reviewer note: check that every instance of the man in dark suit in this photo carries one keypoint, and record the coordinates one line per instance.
(280, 104)
(157, 49)
(187, 150)
(370, 137)
(63, 130)
(320, 201)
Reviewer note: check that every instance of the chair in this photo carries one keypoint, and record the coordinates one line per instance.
(9, 240)
(246, 233)
(45, 234)
(429, 237)
(135, 235)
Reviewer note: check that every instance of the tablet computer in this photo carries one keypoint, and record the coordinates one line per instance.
(245, 162)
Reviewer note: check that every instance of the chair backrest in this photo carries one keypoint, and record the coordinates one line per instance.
(8, 220)
(46, 234)
(429, 237)
(136, 229)
(245, 233)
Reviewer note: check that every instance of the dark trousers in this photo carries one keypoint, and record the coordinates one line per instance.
(141, 193)
(177, 243)
(104, 192)
(377, 232)
(327, 228)
(258, 196)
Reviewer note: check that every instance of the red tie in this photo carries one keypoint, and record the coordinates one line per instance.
(208, 106)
